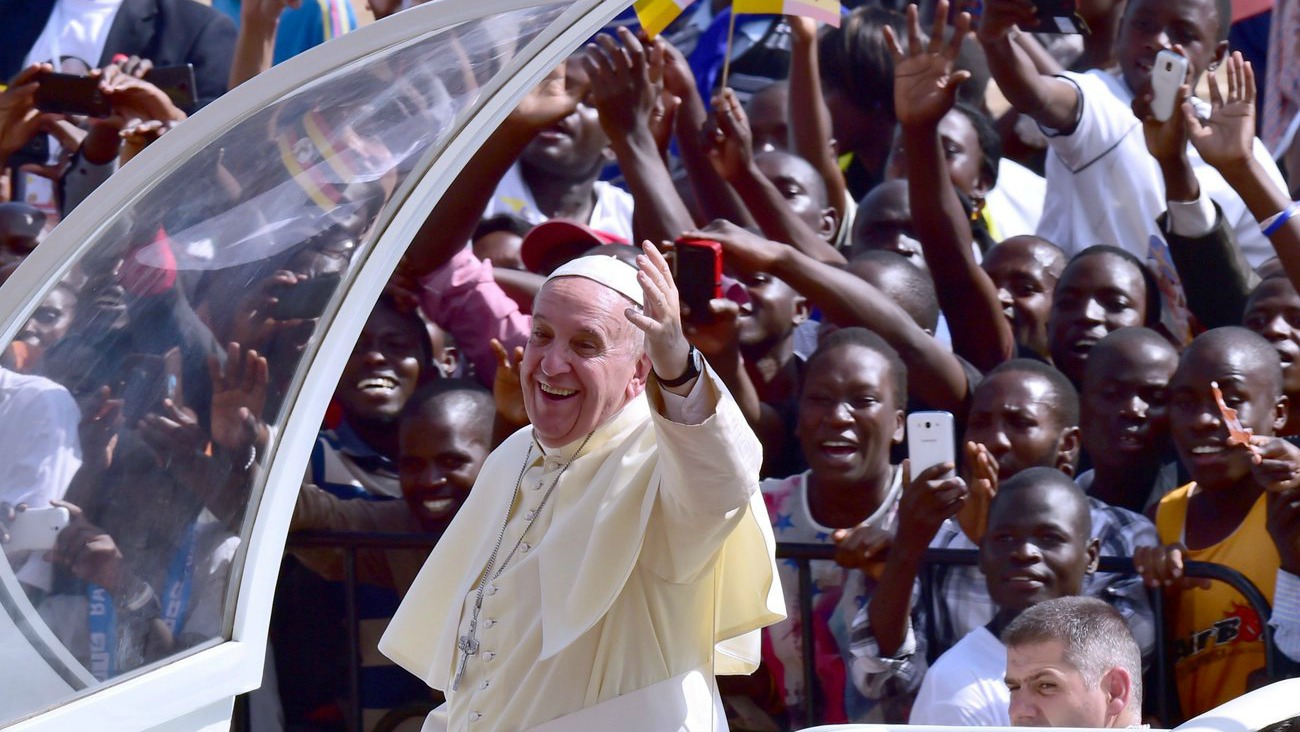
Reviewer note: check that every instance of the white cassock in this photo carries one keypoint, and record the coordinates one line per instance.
(648, 571)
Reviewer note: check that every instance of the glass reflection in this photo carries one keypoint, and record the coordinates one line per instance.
(142, 396)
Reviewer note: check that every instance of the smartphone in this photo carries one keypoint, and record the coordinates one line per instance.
(305, 299)
(697, 269)
(1059, 16)
(71, 94)
(1169, 74)
(930, 441)
(146, 380)
(36, 529)
(177, 82)
(37, 150)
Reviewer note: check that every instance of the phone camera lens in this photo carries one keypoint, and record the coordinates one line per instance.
(1169, 66)
(927, 425)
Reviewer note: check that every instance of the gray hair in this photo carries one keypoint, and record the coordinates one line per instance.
(1093, 633)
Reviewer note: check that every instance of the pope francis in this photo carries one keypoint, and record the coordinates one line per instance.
(615, 555)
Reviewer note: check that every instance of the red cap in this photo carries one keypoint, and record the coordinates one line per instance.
(556, 241)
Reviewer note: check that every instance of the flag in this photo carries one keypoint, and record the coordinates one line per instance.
(827, 11)
(655, 15)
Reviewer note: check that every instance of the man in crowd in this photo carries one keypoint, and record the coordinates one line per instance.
(1071, 662)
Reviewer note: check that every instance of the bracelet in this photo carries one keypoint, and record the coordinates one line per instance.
(1271, 224)
(252, 457)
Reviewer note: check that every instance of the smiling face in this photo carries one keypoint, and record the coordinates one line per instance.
(443, 449)
(1273, 312)
(1251, 384)
(849, 415)
(1015, 415)
(51, 320)
(1025, 270)
(1037, 546)
(575, 147)
(770, 316)
(1124, 421)
(584, 360)
(1150, 26)
(382, 372)
(1098, 293)
(1048, 691)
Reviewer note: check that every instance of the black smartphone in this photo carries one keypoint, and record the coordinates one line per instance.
(146, 380)
(1059, 16)
(71, 94)
(177, 82)
(697, 269)
(305, 299)
(37, 150)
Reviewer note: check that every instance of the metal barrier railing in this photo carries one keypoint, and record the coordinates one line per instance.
(803, 554)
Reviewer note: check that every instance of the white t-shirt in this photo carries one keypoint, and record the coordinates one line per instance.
(967, 686)
(611, 214)
(1015, 205)
(76, 28)
(1103, 187)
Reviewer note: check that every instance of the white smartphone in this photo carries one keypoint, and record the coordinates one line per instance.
(36, 529)
(1169, 74)
(930, 441)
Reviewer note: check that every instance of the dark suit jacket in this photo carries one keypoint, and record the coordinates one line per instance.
(167, 32)
(1216, 278)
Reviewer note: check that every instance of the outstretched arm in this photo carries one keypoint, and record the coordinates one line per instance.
(452, 222)
(1226, 141)
(1051, 102)
(810, 121)
(625, 98)
(732, 156)
(925, 90)
(936, 377)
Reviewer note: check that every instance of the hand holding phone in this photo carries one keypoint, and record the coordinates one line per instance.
(71, 94)
(931, 441)
(36, 529)
(697, 270)
(1168, 76)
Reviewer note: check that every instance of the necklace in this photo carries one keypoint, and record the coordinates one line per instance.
(468, 643)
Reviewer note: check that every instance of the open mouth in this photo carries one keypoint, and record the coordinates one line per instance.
(838, 450)
(439, 506)
(377, 385)
(555, 392)
(1023, 582)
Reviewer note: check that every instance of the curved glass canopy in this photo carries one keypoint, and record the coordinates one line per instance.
(222, 276)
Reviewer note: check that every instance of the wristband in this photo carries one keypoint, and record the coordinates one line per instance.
(1270, 225)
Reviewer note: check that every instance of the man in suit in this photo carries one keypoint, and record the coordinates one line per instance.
(166, 32)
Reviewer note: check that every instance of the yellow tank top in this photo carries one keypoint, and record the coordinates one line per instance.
(1216, 636)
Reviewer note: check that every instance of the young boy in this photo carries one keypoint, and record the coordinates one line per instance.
(1102, 186)
(1236, 512)
(1038, 546)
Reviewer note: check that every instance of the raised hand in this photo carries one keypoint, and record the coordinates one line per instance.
(135, 100)
(1166, 141)
(238, 399)
(175, 434)
(925, 82)
(550, 101)
(1276, 463)
(715, 333)
(1000, 17)
(731, 144)
(983, 481)
(621, 86)
(507, 390)
(862, 547)
(661, 320)
(1227, 138)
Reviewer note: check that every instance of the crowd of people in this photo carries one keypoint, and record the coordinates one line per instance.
(919, 210)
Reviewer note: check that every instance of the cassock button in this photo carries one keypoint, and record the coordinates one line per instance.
(490, 590)
(475, 716)
(488, 655)
(484, 685)
(530, 515)
(489, 623)
(525, 547)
